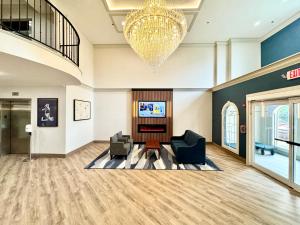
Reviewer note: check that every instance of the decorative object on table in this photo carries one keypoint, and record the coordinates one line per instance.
(47, 112)
(155, 31)
(189, 148)
(82, 110)
(137, 160)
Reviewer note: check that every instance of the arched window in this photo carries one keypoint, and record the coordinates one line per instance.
(230, 127)
(281, 126)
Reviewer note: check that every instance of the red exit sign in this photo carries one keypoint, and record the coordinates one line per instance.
(293, 74)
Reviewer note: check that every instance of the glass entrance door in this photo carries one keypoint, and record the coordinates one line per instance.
(271, 125)
(276, 139)
(296, 144)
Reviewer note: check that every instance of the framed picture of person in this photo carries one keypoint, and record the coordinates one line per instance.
(47, 113)
(82, 110)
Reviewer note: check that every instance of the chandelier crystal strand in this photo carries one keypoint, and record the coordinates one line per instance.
(155, 31)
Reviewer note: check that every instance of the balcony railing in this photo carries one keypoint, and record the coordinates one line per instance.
(41, 21)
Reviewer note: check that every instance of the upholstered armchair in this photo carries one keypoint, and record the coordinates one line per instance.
(125, 138)
(119, 148)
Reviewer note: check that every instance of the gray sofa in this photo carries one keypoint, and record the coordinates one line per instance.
(120, 145)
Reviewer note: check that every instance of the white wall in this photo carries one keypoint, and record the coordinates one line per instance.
(86, 63)
(112, 113)
(245, 57)
(78, 133)
(119, 67)
(193, 110)
(44, 140)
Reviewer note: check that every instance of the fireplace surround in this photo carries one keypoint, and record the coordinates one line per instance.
(145, 128)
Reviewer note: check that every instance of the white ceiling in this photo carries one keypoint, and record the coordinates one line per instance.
(217, 20)
(120, 5)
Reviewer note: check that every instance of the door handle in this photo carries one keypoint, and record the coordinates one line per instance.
(288, 142)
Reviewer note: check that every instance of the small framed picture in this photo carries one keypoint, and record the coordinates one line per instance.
(82, 110)
(47, 112)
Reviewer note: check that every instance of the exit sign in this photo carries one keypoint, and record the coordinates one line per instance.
(293, 74)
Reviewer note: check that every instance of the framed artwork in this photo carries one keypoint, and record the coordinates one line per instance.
(82, 110)
(47, 112)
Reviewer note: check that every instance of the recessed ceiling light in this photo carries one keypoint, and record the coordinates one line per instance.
(257, 23)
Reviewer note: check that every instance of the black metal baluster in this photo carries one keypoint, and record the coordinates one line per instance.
(19, 16)
(40, 20)
(78, 51)
(34, 19)
(72, 45)
(10, 14)
(1, 10)
(46, 27)
(59, 40)
(63, 36)
(50, 27)
(27, 10)
(68, 40)
(55, 29)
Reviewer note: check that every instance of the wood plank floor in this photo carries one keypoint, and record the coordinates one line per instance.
(60, 191)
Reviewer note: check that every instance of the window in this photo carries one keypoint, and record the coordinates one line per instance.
(281, 126)
(230, 127)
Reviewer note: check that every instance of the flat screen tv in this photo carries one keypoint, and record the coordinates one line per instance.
(149, 109)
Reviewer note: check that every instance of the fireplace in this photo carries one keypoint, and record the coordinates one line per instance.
(152, 128)
(144, 129)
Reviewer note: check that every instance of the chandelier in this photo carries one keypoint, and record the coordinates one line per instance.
(155, 31)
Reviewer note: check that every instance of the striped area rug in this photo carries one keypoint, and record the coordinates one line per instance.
(137, 160)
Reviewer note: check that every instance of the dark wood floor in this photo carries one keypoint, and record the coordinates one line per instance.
(60, 191)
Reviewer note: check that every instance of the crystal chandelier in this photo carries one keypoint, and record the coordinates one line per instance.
(155, 31)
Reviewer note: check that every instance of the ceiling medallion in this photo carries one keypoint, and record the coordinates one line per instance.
(155, 31)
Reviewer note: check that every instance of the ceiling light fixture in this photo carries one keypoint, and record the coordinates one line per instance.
(155, 31)
(257, 23)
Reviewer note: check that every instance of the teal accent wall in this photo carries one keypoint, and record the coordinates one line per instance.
(282, 44)
(237, 94)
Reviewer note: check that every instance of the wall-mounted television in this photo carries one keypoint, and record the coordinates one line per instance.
(152, 109)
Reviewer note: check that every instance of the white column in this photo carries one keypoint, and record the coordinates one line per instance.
(221, 62)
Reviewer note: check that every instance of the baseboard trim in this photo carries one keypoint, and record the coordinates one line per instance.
(38, 156)
(101, 141)
(79, 149)
(230, 153)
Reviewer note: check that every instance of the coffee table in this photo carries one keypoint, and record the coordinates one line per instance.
(152, 145)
